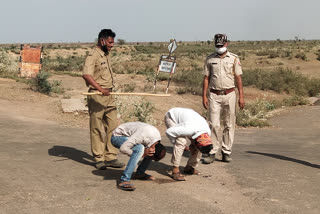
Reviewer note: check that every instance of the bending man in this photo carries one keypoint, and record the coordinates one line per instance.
(183, 124)
(137, 140)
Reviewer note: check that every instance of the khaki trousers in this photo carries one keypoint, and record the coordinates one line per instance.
(224, 105)
(103, 120)
(179, 146)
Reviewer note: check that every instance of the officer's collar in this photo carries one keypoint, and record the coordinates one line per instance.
(100, 51)
(227, 54)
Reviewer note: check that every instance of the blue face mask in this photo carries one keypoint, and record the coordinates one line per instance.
(221, 50)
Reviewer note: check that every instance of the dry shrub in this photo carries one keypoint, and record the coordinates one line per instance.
(8, 66)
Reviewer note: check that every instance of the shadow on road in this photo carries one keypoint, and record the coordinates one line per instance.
(71, 153)
(281, 157)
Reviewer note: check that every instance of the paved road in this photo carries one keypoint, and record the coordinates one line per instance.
(47, 168)
(280, 167)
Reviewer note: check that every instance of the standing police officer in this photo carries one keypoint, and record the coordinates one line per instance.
(97, 73)
(221, 70)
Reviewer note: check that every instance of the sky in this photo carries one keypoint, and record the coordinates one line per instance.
(46, 21)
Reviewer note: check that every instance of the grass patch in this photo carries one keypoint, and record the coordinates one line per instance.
(256, 114)
(41, 84)
(191, 80)
(60, 64)
(282, 80)
(129, 87)
(301, 56)
(8, 66)
(132, 108)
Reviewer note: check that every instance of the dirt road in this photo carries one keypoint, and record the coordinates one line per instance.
(47, 168)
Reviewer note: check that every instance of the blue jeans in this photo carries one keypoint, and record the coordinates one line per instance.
(137, 152)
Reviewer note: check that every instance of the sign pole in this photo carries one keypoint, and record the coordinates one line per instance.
(157, 73)
(170, 76)
(167, 64)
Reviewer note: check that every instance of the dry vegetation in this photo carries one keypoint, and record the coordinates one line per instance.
(276, 73)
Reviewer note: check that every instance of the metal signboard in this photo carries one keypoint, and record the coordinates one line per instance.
(172, 46)
(167, 64)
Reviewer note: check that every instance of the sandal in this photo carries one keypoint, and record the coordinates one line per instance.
(189, 170)
(126, 186)
(178, 176)
(144, 177)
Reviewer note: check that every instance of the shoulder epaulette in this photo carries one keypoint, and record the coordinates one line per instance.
(235, 55)
(212, 55)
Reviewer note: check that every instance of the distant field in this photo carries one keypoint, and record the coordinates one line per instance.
(276, 73)
(302, 56)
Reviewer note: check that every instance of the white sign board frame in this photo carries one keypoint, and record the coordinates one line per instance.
(167, 66)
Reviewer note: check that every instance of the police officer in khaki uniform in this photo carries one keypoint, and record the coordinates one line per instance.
(97, 73)
(222, 69)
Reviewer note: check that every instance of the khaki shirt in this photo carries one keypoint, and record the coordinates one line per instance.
(221, 71)
(99, 67)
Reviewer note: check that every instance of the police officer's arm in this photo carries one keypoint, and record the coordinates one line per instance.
(205, 85)
(88, 71)
(240, 89)
(204, 91)
(90, 81)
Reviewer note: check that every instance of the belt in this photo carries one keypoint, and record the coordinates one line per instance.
(222, 92)
(93, 89)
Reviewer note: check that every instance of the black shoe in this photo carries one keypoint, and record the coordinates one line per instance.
(101, 165)
(209, 159)
(226, 158)
(114, 163)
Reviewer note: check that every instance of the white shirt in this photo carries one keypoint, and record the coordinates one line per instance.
(188, 124)
(137, 133)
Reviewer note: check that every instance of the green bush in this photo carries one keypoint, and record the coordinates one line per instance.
(56, 87)
(302, 56)
(41, 84)
(281, 80)
(59, 64)
(273, 54)
(254, 114)
(134, 108)
(181, 90)
(318, 55)
(129, 87)
(191, 80)
(143, 111)
(262, 53)
(295, 101)
(8, 66)
(121, 41)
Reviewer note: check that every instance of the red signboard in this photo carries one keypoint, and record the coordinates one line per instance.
(30, 61)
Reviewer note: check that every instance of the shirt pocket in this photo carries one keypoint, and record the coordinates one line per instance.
(214, 68)
(102, 66)
(228, 67)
